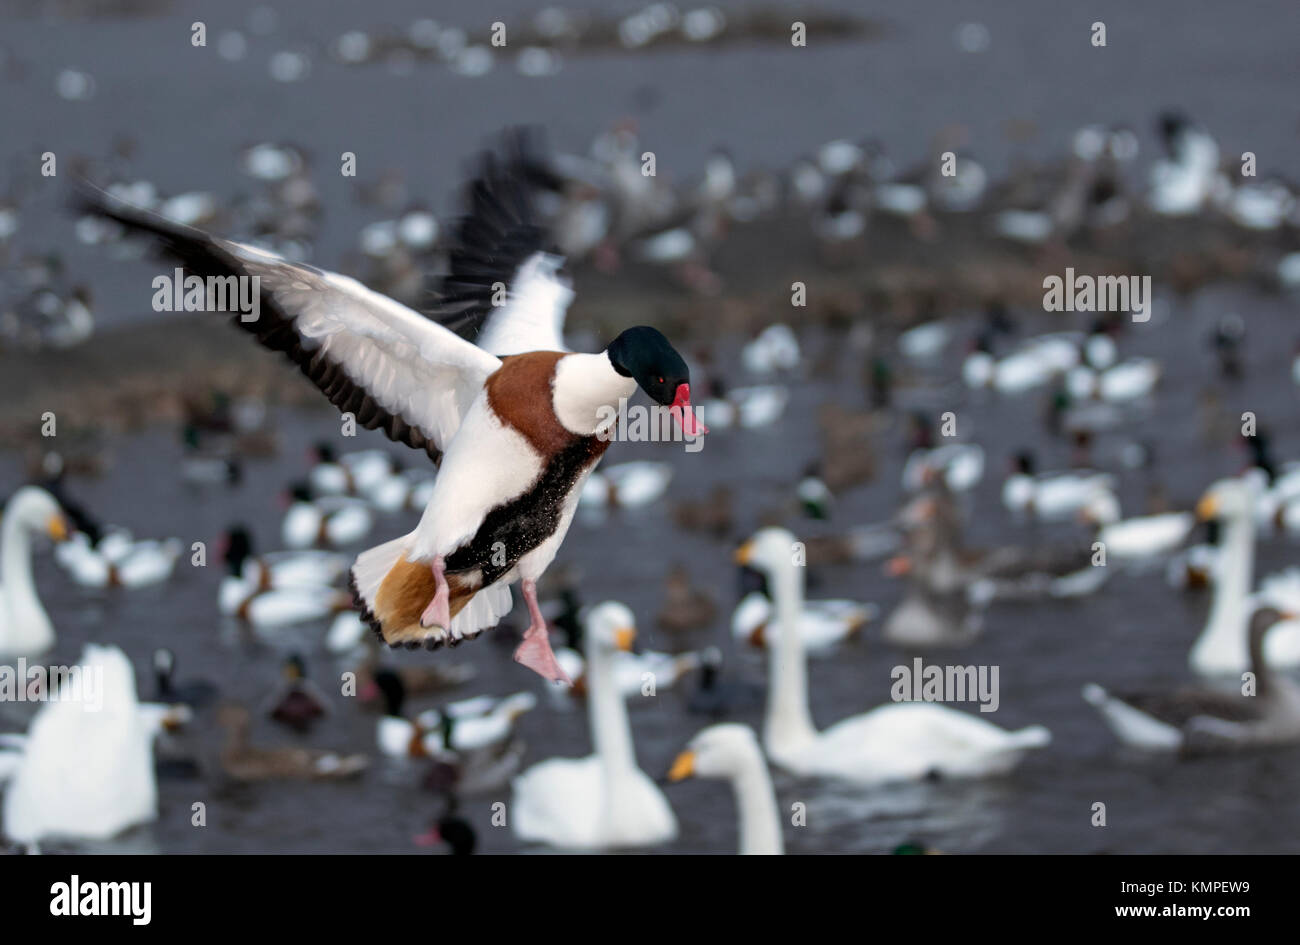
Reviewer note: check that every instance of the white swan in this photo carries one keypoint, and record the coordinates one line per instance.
(25, 628)
(603, 800)
(894, 742)
(1221, 648)
(730, 752)
(87, 769)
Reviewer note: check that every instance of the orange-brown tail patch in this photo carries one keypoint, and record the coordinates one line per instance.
(402, 597)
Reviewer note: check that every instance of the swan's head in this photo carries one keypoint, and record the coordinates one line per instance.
(611, 625)
(1227, 498)
(38, 512)
(769, 552)
(720, 751)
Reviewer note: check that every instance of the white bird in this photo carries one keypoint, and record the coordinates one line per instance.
(730, 752)
(1221, 648)
(823, 624)
(25, 628)
(118, 560)
(602, 801)
(110, 740)
(332, 521)
(1135, 538)
(895, 742)
(775, 349)
(1050, 497)
(518, 419)
(962, 466)
(627, 485)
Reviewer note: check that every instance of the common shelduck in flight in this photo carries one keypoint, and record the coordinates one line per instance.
(519, 420)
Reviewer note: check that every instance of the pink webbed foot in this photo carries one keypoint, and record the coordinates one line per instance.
(438, 613)
(535, 651)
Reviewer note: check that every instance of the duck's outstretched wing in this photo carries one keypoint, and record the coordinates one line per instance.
(503, 289)
(389, 366)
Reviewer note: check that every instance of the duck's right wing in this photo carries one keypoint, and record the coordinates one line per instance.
(391, 367)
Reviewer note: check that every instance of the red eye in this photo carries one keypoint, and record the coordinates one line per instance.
(661, 380)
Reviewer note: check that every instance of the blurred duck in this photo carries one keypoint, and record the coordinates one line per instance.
(450, 830)
(712, 514)
(1128, 380)
(332, 521)
(749, 408)
(279, 569)
(1032, 365)
(1144, 536)
(730, 752)
(1184, 180)
(1221, 647)
(685, 607)
(296, 702)
(401, 492)
(25, 628)
(1201, 719)
(452, 733)
(115, 788)
(626, 485)
(1049, 497)
(604, 800)
(416, 680)
(775, 349)
(961, 465)
(895, 742)
(193, 693)
(823, 624)
(718, 696)
(350, 474)
(242, 761)
(245, 593)
(117, 560)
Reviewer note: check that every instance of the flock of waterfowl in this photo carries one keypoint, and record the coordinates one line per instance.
(516, 424)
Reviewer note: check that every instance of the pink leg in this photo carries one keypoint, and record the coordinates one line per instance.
(438, 613)
(535, 650)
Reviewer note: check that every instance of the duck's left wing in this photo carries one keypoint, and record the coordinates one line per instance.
(389, 366)
(503, 289)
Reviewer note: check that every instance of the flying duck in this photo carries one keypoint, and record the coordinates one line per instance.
(518, 420)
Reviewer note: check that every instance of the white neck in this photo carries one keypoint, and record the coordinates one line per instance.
(760, 824)
(24, 625)
(607, 714)
(788, 728)
(584, 383)
(1225, 631)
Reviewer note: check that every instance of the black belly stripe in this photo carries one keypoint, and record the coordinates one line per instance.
(524, 523)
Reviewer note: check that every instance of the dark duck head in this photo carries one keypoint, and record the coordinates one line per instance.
(644, 354)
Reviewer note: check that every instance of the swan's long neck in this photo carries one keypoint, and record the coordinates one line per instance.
(760, 824)
(788, 728)
(587, 392)
(1226, 627)
(610, 732)
(24, 611)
